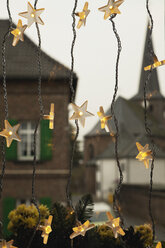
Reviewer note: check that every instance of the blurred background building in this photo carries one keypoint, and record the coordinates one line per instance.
(101, 170)
(53, 146)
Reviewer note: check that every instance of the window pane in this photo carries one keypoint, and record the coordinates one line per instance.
(31, 145)
(23, 126)
(23, 146)
(33, 125)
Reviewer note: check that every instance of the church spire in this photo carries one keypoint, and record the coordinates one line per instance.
(153, 86)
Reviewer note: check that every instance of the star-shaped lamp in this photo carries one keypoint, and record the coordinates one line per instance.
(32, 15)
(145, 154)
(80, 113)
(159, 245)
(4, 244)
(114, 224)
(111, 8)
(10, 133)
(46, 229)
(18, 33)
(81, 229)
(50, 117)
(156, 63)
(83, 15)
(104, 119)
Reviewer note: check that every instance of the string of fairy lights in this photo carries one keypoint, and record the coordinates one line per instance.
(111, 10)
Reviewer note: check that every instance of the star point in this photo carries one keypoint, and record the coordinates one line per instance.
(50, 117)
(156, 64)
(114, 224)
(104, 119)
(10, 133)
(4, 244)
(83, 15)
(144, 155)
(18, 32)
(32, 15)
(80, 113)
(46, 229)
(81, 229)
(159, 245)
(111, 8)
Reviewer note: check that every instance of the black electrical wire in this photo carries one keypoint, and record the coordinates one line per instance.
(3, 144)
(68, 191)
(118, 188)
(148, 130)
(34, 201)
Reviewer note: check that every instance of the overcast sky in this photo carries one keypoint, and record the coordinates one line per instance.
(96, 47)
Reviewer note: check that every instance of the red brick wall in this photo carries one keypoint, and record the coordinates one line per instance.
(23, 105)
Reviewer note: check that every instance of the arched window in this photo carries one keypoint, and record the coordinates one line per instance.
(90, 151)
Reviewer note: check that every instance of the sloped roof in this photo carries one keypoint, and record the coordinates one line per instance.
(130, 116)
(21, 61)
(127, 147)
(153, 86)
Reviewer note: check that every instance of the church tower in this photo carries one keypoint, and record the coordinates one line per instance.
(155, 100)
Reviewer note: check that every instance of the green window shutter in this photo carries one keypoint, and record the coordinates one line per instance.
(46, 140)
(9, 204)
(46, 201)
(11, 152)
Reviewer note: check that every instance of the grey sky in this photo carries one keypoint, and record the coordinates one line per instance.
(96, 47)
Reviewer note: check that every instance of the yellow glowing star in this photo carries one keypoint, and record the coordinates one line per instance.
(4, 244)
(81, 229)
(80, 113)
(18, 33)
(156, 63)
(115, 225)
(159, 245)
(50, 117)
(144, 154)
(46, 229)
(33, 15)
(10, 133)
(83, 15)
(111, 8)
(104, 119)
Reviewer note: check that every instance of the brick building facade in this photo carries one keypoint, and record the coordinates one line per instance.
(53, 147)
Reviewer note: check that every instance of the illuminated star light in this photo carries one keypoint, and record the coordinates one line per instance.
(83, 15)
(104, 119)
(80, 113)
(145, 154)
(159, 245)
(4, 244)
(111, 8)
(46, 229)
(10, 133)
(156, 64)
(114, 224)
(81, 229)
(33, 15)
(18, 32)
(50, 117)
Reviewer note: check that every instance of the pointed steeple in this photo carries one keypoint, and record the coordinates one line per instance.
(153, 86)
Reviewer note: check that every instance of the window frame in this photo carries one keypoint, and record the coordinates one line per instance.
(29, 131)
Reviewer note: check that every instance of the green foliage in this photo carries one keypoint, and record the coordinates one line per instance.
(84, 208)
(145, 232)
(132, 238)
(26, 217)
(23, 220)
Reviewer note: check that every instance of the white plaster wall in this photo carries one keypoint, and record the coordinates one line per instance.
(138, 174)
(107, 175)
(134, 173)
